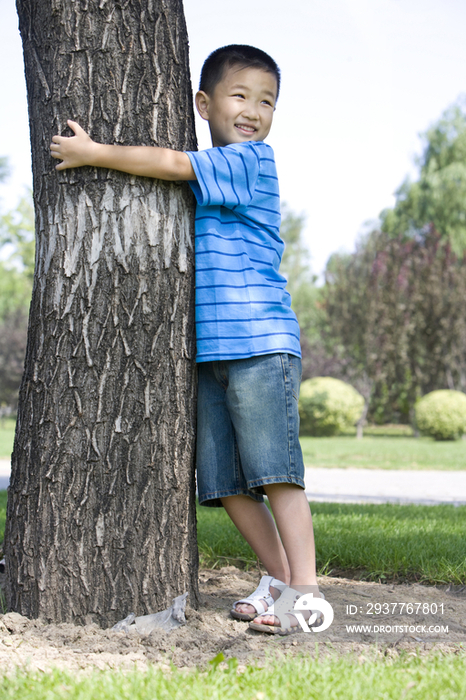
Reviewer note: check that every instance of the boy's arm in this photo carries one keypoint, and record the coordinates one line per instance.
(147, 161)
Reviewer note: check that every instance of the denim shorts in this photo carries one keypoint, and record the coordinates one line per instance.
(248, 426)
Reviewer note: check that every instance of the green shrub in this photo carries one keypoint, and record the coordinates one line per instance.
(327, 406)
(442, 414)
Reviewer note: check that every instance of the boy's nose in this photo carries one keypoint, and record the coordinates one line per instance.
(250, 111)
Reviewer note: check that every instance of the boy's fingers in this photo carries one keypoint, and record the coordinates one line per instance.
(74, 126)
(59, 144)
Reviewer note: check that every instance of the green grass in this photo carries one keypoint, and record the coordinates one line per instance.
(368, 542)
(387, 430)
(391, 542)
(219, 541)
(7, 435)
(377, 451)
(415, 678)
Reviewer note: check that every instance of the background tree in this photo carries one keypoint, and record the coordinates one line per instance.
(13, 334)
(101, 517)
(17, 263)
(396, 310)
(17, 232)
(4, 168)
(364, 322)
(393, 309)
(435, 293)
(16, 275)
(437, 198)
(305, 296)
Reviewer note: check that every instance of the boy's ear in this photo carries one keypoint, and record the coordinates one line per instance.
(202, 104)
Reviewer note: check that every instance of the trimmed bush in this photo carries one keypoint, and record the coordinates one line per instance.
(328, 405)
(442, 414)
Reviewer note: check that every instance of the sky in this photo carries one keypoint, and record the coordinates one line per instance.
(361, 80)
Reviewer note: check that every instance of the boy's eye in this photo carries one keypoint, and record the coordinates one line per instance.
(239, 95)
(267, 102)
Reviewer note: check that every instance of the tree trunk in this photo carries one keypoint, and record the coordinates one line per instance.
(101, 509)
(362, 421)
(365, 387)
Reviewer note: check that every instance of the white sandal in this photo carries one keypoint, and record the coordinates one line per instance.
(284, 607)
(261, 600)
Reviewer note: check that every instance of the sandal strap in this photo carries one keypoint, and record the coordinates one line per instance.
(262, 594)
(284, 606)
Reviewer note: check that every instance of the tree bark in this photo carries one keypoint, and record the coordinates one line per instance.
(101, 508)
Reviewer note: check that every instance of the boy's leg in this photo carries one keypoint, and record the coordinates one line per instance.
(255, 523)
(294, 522)
(292, 514)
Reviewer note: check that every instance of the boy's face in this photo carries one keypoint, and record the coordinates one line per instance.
(241, 107)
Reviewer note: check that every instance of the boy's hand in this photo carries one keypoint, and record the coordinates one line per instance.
(147, 161)
(73, 151)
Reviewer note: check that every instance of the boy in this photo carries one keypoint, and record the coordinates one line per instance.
(247, 335)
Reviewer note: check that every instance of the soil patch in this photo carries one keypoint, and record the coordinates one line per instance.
(419, 626)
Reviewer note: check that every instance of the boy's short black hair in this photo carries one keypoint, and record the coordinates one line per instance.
(235, 55)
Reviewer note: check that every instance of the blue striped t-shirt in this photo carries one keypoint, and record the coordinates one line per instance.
(242, 306)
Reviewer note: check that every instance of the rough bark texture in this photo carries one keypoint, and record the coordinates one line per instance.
(101, 517)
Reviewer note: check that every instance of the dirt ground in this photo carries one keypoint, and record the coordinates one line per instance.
(210, 630)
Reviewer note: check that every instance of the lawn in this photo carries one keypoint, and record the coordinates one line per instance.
(350, 678)
(384, 452)
(368, 542)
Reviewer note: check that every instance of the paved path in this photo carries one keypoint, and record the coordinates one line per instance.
(386, 486)
(367, 485)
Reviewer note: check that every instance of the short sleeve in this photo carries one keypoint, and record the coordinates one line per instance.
(226, 176)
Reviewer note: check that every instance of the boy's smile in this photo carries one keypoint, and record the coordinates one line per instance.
(241, 107)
